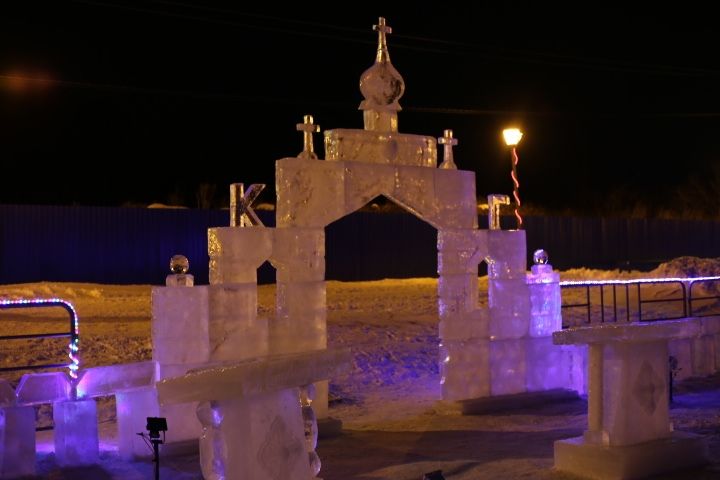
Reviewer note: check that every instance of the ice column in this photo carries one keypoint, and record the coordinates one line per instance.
(17, 435)
(508, 297)
(509, 305)
(76, 432)
(235, 332)
(299, 257)
(545, 301)
(301, 318)
(463, 326)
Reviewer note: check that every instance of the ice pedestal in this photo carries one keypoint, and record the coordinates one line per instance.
(508, 296)
(629, 432)
(17, 435)
(251, 414)
(180, 324)
(545, 300)
(76, 432)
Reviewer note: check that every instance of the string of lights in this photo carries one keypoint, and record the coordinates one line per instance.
(74, 345)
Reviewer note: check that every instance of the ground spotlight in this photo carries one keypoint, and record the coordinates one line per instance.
(154, 426)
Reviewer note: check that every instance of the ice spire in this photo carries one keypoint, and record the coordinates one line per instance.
(382, 86)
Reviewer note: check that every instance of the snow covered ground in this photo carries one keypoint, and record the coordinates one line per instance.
(395, 426)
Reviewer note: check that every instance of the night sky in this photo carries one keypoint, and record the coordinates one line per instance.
(619, 107)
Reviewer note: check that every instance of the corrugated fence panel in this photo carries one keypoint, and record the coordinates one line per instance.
(133, 245)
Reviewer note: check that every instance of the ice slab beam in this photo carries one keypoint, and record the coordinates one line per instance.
(111, 379)
(37, 388)
(250, 377)
(314, 193)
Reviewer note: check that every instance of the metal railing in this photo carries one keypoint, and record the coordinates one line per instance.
(640, 300)
(73, 333)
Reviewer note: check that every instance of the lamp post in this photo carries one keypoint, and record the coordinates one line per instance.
(512, 138)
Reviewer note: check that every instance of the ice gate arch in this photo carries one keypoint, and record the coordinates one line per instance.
(360, 165)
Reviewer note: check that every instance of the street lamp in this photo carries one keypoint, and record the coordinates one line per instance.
(512, 138)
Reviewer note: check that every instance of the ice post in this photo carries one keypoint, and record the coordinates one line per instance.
(17, 435)
(545, 301)
(179, 328)
(76, 432)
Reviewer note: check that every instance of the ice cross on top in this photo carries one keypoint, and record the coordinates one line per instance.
(383, 55)
(308, 128)
(241, 200)
(448, 143)
(382, 86)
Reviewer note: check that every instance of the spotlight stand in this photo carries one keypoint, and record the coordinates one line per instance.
(155, 425)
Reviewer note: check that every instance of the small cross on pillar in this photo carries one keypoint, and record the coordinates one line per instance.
(308, 128)
(448, 143)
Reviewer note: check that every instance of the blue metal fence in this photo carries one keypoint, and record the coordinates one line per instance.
(134, 245)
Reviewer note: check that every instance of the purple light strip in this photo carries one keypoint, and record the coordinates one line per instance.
(74, 345)
(579, 283)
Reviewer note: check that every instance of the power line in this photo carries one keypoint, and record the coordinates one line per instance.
(413, 43)
(224, 97)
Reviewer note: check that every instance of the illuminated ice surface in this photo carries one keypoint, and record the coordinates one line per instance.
(7, 394)
(107, 380)
(38, 388)
(76, 432)
(545, 300)
(17, 441)
(261, 395)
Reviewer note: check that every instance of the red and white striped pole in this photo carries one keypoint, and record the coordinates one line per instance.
(512, 138)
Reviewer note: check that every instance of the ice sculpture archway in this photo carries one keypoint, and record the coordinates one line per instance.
(360, 165)
(311, 194)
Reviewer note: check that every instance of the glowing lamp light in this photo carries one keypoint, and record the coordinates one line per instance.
(512, 136)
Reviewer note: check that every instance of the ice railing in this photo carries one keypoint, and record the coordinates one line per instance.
(73, 334)
(638, 300)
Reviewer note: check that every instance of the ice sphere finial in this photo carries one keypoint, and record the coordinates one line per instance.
(448, 142)
(540, 257)
(241, 200)
(308, 128)
(179, 264)
(179, 276)
(382, 86)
